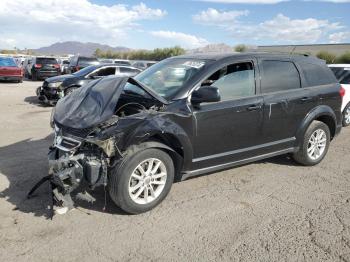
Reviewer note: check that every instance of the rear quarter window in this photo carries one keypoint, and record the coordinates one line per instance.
(278, 76)
(316, 75)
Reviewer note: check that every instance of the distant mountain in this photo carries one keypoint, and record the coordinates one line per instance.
(73, 47)
(212, 48)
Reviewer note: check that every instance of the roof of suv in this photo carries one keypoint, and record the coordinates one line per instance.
(219, 56)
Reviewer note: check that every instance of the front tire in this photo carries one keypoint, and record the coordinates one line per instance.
(141, 181)
(346, 116)
(315, 144)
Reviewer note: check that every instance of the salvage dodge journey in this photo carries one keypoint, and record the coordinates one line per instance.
(186, 116)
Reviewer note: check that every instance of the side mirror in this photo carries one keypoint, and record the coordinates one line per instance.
(205, 94)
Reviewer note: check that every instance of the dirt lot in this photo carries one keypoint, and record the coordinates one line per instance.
(272, 210)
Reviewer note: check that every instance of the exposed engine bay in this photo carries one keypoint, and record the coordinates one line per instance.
(82, 154)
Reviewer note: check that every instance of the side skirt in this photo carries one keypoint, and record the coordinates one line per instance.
(235, 163)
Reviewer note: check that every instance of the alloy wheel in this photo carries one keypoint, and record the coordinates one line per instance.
(147, 181)
(347, 116)
(317, 144)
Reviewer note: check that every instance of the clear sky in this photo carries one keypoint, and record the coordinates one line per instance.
(160, 23)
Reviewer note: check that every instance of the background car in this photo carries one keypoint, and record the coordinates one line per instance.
(143, 64)
(55, 88)
(41, 67)
(123, 62)
(342, 73)
(79, 62)
(9, 70)
(106, 61)
(64, 64)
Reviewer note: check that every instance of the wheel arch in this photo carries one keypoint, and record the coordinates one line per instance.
(323, 114)
(158, 142)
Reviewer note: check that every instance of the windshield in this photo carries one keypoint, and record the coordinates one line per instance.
(167, 77)
(85, 70)
(342, 74)
(7, 61)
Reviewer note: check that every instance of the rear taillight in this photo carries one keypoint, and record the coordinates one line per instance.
(342, 91)
(56, 66)
(37, 65)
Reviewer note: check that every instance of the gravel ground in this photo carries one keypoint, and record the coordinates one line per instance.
(273, 210)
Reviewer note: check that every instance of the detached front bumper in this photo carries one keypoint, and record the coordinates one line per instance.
(71, 174)
(49, 97)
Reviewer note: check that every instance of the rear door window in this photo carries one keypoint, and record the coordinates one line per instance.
(106, 71)
(46, 60)
(342, 74)
(278, 76)
(233, 81)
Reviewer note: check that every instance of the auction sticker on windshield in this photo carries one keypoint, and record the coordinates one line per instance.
(194, 64)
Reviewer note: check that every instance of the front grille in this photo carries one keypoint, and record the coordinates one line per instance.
(82, 133)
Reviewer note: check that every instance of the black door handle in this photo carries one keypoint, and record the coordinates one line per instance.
(254, 107)
(306, 99)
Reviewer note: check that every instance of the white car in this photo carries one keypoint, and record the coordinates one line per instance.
(342, 73)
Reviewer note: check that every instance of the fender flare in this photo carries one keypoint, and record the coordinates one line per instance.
(317, 112)
(177, 159)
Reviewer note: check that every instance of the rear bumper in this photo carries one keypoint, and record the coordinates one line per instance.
(45, 97)
(47, 73)
(12, 78)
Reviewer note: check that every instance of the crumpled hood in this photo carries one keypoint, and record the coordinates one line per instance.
(91, 104)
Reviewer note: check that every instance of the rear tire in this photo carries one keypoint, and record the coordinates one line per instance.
(346, 116)
(134, 187)
(315, 144)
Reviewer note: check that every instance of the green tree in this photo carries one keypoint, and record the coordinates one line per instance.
(240, 48)
(327, 56)
(98, 53)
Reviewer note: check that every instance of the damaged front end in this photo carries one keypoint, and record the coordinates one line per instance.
(74, 165)
(85, 148)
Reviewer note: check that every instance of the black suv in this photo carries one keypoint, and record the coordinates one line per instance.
(190, 115)
(79, 62)
(42, 67)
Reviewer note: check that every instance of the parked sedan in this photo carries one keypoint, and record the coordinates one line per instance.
(9, 70)
(57, 87)
(342, 73)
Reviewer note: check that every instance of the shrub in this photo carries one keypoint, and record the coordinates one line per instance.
(327, 56)
(240, 48)
(344, 58)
